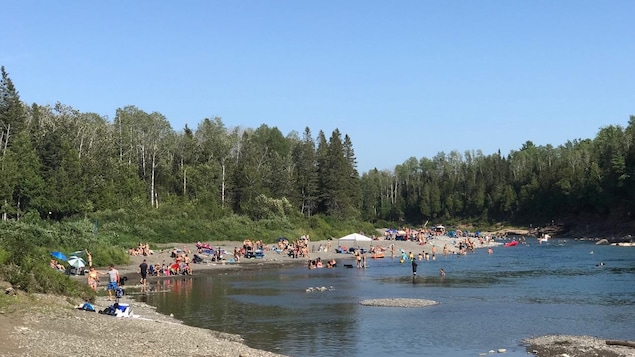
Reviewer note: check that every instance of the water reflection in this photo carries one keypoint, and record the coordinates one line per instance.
(512, 294)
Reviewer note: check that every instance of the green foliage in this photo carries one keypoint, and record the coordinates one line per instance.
(24, 259)
(323, 227)
(4, 256)
(40, 278)
(269, 208)
(104, 255)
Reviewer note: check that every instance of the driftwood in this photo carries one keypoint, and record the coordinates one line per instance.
(620, 343)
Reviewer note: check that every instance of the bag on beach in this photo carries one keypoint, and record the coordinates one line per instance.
(110, 310)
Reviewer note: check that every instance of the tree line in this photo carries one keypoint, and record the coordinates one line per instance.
(590, 178)
(57, 162)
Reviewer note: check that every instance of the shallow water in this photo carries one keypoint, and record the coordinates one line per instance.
(487, 302)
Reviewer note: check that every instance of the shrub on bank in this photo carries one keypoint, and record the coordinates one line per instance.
(25, 247)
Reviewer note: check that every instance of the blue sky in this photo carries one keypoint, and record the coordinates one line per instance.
(401, 78)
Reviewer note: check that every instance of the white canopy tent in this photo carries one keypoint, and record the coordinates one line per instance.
(354, 237)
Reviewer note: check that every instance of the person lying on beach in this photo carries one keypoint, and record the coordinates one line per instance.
(86, 306)
(60, 266)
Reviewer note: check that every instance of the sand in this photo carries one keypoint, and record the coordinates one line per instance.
(271, 257)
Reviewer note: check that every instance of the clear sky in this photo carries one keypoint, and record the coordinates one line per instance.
(401, 78)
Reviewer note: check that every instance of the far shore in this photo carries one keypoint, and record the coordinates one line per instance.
(272, 258)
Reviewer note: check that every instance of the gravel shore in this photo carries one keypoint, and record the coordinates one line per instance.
(575, 346)
(47, 325)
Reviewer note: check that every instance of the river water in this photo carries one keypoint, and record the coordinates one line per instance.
(487, 302)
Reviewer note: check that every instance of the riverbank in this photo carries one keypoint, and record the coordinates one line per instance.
(328, 252)
(44, 325)
(49, 325)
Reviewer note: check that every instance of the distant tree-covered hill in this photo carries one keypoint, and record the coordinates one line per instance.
(57, 162)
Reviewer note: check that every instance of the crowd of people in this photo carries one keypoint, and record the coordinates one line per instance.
(140, 249)
(317, 263)
(297, 249)
(182, 259)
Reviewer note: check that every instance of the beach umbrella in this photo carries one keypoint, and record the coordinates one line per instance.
(76, 262)
(58, 255)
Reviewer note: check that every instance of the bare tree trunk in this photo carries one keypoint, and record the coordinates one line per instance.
(184, 182)
(143, 161)
(223, 185)
(152, 195)
(120, 142)
(81, 147)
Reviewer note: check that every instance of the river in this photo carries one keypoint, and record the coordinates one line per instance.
(487, 302)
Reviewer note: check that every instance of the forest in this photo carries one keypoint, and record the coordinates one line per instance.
(57, 163)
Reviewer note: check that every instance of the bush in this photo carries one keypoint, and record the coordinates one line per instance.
(42, 279)
(104, 255)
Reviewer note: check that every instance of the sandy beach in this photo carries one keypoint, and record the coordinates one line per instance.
(162, 255)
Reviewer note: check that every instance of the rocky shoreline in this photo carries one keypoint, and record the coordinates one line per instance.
(575, 346)
(48, 325)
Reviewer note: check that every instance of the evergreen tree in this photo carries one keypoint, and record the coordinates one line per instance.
(12, 115)
(28, 193)
(352, 187)
(323, 169)
(62, 174)
(305, 174)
